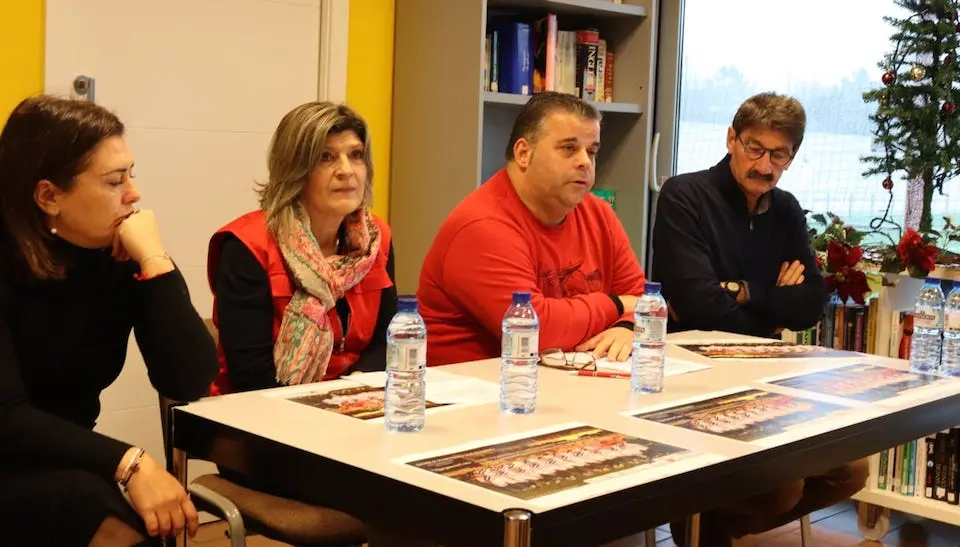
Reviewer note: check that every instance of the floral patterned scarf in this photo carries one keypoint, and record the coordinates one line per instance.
(305, 341)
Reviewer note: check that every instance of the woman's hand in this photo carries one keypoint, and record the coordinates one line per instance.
(138, 238)
(161, 501)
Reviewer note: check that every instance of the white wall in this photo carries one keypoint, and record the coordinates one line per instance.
(200, 85)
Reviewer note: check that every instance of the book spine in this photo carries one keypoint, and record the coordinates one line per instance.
(601, 69)
(587, 46)
(608, 77)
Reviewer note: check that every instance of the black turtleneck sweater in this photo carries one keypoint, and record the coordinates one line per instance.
(704, 235)
(63, 342)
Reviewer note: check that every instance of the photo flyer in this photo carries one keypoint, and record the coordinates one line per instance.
(861, 382)
(361, 402)
(761, 350)
(750, 415)
(541, 465)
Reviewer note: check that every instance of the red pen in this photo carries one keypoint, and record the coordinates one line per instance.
(600, 374)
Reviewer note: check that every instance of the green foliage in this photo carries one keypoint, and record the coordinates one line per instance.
(826, 227)
(917, 125)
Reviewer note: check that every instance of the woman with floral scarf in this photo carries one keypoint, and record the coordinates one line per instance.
(303, 286)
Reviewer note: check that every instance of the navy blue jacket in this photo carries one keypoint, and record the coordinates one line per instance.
(704, 234)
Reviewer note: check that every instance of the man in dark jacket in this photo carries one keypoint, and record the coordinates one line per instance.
(733, 254)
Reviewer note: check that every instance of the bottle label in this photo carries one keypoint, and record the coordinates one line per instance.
(408, 356)
(925, 317)
(952, 321)
(650, 328)
(524, 345)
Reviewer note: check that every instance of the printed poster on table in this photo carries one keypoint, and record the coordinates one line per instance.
(745, 414)
(761, 350)
(539, 465)
(861, 382)
(361, 402)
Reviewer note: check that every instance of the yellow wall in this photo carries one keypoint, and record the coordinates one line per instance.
(370, 85)
(21, 52)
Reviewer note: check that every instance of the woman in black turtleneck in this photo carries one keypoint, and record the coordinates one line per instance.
(79, 268)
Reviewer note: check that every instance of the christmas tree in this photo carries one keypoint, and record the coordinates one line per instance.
(917, 130)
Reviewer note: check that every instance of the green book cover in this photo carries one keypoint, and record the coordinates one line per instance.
(606, 195)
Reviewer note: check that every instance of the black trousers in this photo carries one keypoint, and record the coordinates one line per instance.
(62, 508)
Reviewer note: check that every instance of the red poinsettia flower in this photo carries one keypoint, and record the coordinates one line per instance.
(844, 278)
(915, 254)
(839, 256)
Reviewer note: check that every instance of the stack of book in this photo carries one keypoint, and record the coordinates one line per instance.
(524, 56)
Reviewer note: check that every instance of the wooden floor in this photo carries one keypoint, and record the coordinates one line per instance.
(833, 527)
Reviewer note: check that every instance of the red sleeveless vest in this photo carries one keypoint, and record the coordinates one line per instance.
(363, 298)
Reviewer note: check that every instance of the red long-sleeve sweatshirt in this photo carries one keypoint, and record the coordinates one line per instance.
(491, 245)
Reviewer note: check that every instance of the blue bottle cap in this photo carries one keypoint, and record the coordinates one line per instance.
(521, 297)
(651, 286)
(407, 304)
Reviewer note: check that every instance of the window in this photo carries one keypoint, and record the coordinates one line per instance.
(823, 52)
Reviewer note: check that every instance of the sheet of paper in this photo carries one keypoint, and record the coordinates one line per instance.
(443, 387)
(673, 366)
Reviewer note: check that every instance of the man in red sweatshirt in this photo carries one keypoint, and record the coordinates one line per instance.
(534, 226)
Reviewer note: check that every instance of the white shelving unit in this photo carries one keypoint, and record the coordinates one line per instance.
(915, 505)
(874, 522)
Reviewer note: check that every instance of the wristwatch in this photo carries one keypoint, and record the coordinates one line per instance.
(733, 288)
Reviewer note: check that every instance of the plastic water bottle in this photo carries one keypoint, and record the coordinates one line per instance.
(927, 327)
(950, 356)
(649, 341)
(405, 397)
(519, 349)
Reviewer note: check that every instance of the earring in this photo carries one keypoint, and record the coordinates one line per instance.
(53, 231)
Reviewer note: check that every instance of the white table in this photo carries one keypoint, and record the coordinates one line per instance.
(307, 450)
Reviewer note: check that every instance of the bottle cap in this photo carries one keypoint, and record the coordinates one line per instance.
(407, 304)
(521, 297)
(651, 286)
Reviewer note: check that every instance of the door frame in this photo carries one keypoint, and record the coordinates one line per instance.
(666, 110)
(334, 44)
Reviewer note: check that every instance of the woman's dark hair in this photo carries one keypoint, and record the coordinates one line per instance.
(48, 138)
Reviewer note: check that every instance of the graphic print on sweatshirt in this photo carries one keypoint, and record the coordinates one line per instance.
(570, 281)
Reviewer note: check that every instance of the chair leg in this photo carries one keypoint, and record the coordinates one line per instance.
(693, 530)
(178, 468)
(650, 538)
(806, 532)
(227, 510)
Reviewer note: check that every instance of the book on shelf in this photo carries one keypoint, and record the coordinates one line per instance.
(924, 468)
(610, 196)
(526, 56)
(866, 328)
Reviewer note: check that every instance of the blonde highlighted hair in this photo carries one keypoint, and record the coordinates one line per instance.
(295, 150)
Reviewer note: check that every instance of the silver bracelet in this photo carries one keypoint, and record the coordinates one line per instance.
(131, 468)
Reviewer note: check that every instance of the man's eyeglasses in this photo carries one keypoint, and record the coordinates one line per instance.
(778, 156)
(568, 360)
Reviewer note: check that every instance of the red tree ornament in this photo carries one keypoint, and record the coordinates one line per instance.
(889, 77)
(948, 108)
(887, 184)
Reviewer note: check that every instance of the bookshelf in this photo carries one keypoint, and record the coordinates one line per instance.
(449, 132)
(882, 331)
